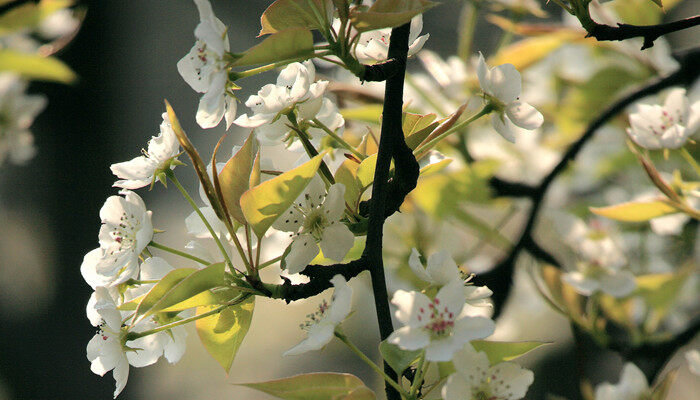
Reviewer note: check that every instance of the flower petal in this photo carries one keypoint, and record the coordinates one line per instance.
(212, 105)
(303, 250)
(619, 284)
(505, 83)
(334, 204)
(500, 124)
(342, 300)
(512, 381)
(417, 267)
(336, 241)
(318, 336)
(409, 338)
(442, 268)
(524, 115)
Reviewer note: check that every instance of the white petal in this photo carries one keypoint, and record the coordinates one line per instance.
(482, 71)
(342, 300)
(334, 204)
(582, 284)
(174, 350)
(319, 335)
(195, 225)
(189, 68)
(456, 387)
(135, 174)
(669, 224)
(442, 349)
(290, 221)
(303, 250)
(471, 364)
(212, 105)
(230, 113)
(154, 268)
(409, 338)
(472, 328)
(416, 266)
(409, 306)
(512, 381)
(120, 374)
(442, 268)
(418, 44)
(500, 124)
(336, 241)
(451, 296)
(524, 115)
(505, 83)
(693, 358)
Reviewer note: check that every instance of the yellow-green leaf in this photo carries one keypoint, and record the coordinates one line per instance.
(397, 358)
(528, 51)
(234, 178)
(313, 386)
(371, 113)
(178, 286)
(660, 291)
(285, 14)
(435, 167)
(262, 204)
(365, 172)
(33, 66)
(635, 211)
(29, 15)
(499, 352)
(283, 45)
(223, 345)
(389, 13)
(361, 393)
(347, 175)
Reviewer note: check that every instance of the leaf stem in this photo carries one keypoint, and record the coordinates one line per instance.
(196, 209)
(371, 363)
(269, 262)
(346, 145)
(689, 158)
(421, 150)
(254, 71)
(418, 378)
(179, 253)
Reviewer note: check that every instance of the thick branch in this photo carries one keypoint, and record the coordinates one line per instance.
(649, 32)
(381, 71)
(319, 280)
(500, 278)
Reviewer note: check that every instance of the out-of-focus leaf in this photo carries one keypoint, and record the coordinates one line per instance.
(435, 167)
(563, 294)
(234, 178)
(283, 45)
(635, 211)
(361, 393)
(178, 286)
(262, 204)
(368, 145)
(528, 51)
(33, 66)
(371, 113)
(642, 12)
(285, 14)
(660, 291)
(343, 8)
(389, 13)
(313, 386)
(397, 358)
(499, 352)
(365, 172)
(223, 345)
(29, 15)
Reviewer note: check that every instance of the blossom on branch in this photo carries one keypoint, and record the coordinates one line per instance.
(373, 46)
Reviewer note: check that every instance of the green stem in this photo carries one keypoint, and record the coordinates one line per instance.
(179, 253)
(371, 363)
(323, 170)
(269, 262)
(346, 145)
(254, 71)
(418, 378)
(196, 209)
(136, 335)
(469, 17)
(421, 150)
(689, 158)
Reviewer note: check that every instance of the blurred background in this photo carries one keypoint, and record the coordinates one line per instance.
(125, 55)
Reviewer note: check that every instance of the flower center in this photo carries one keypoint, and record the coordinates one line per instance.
(315, 317)
(125, 232)
(437, 319)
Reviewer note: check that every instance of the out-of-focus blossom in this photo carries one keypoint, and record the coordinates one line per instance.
(373, 46)
(17, 113)
(633, 385)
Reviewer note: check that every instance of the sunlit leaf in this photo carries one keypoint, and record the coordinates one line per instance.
(223, 345)
(389, 13)
(417, 127)
(284, 45)
(313, 386)
(262, 204)
(365, 172)
(285, 14)
(504, 351)
(397, 358)
(371, 113)
(435, 167)
(528, 51)
(369, 144)
(33, 66)
(29, 15)
(346, 174)
(635, 211)
(234, 178)
(178, 286)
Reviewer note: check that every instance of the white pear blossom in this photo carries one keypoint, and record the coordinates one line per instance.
(17, 113)
(693, 358)
(373, 46)
(143, 170)
(126, 230)
(669, 126)
(602, 260)
(314, 219)
(60, 23)
(204, 68)
(440, 325)
(502, 86)
(295, 87)
(321, 325)
(475, 378)
(633, 385)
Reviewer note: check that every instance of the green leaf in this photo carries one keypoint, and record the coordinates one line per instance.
(398, 359)
(234, 178)
(343, 8)
(660, 291)
(223, 345)
(178, 286)
(389, 13)
(347, 175)
(283, 45)
(33, 66)
(635, 211)
(417, 127)
(529, 51)
(499, 352)
(435, 167)
(262, 204)
(365, 172)
(362, 393)
(29, 15)
(371, 113)
(285, 14)
(313, 386)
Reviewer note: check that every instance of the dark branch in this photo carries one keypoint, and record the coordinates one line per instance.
(382, 71)
(500, 278)
(503, 188)
(649, 32)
